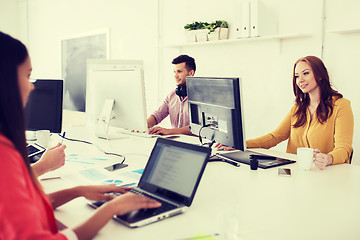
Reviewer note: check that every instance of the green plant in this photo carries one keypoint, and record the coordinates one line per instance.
(218, 23)
(205, 25)
(196, 25)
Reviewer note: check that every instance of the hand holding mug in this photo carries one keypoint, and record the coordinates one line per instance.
(322, 160)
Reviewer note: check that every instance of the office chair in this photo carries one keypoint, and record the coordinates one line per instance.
(351, 157)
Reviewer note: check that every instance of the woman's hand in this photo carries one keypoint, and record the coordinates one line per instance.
(322, 160)
(99, 192)
(129, 202)
(52, 159)
(118, 206)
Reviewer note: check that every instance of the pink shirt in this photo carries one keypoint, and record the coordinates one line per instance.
(25, 213)
(177, 108)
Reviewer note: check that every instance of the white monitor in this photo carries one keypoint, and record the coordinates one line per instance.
(115, 89)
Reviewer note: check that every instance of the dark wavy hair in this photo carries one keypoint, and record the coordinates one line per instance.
(12, 122)
(326, 105)
(189, 62)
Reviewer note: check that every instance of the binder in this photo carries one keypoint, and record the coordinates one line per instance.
(262, 21)
(237, 19)
(245, 18)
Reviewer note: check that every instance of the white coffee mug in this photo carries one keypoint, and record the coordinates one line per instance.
(43, 138)
(305, 158)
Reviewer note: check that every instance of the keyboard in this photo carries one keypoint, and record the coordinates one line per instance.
(165, 206)
(96, 204)
(137, 134)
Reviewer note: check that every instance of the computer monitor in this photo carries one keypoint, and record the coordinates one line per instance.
(115, 96)
(215, 110)
(43, 110)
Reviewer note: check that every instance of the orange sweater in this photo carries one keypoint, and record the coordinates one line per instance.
(333, 137)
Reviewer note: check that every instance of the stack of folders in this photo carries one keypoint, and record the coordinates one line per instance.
(254, 19)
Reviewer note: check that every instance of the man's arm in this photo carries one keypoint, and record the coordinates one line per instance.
(157, 130)
(151, 121)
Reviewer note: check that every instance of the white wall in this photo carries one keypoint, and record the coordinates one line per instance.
(13, 18)
(342, 54)
(265, 66)
(137, 29)
(133, 33)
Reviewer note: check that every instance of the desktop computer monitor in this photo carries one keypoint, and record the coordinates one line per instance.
(43, 110)
(215, 110)
(216, 113)
(115, 96)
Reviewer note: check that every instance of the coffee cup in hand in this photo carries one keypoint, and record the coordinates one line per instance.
(305, 158)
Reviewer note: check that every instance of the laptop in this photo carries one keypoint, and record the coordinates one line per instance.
(171, 176)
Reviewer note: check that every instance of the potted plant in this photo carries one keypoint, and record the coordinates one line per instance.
(190, 32)
(218, 30)
(196, 31)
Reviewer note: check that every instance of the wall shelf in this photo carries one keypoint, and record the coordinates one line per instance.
(346, 31)
(240, 40)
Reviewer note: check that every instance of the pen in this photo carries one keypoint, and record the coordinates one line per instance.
(62, 138)
(223, 159)
(209, 236)
(231, 162)
(49, 178)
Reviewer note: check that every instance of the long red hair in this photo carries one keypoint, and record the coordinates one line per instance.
(326, 105)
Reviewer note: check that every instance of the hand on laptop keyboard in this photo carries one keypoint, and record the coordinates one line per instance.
(129, 202)
(101, 192)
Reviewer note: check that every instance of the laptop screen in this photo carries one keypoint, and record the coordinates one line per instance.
(175, 166)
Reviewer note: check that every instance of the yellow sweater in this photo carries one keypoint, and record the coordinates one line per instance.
(333, 137)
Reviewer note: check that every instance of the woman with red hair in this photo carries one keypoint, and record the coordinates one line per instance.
(320, 119)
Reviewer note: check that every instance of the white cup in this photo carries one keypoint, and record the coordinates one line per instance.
(305, 157)
(43, 137)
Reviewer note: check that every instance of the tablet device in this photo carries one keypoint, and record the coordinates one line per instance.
(34, 152)
(265, 161)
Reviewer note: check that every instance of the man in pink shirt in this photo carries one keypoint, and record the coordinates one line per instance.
(176, 103)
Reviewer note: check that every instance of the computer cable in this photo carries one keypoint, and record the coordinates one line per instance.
(215, 158)
(90, 143)
(200, 138)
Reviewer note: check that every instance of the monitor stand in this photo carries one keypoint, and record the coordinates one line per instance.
(102, 127)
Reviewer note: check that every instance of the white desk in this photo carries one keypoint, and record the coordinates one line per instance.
(308, 205)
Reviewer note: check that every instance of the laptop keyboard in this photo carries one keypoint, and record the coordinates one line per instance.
(165, 206)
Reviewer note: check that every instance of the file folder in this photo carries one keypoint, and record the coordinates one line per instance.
(262, 20)
(237, 19)
(245, 19)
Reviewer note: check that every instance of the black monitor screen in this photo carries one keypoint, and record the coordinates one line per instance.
(44, 108)
(215, 105)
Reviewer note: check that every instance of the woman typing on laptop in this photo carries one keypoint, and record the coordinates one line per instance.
(26, 211)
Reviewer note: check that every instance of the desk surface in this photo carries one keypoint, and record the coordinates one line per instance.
(257, 204)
